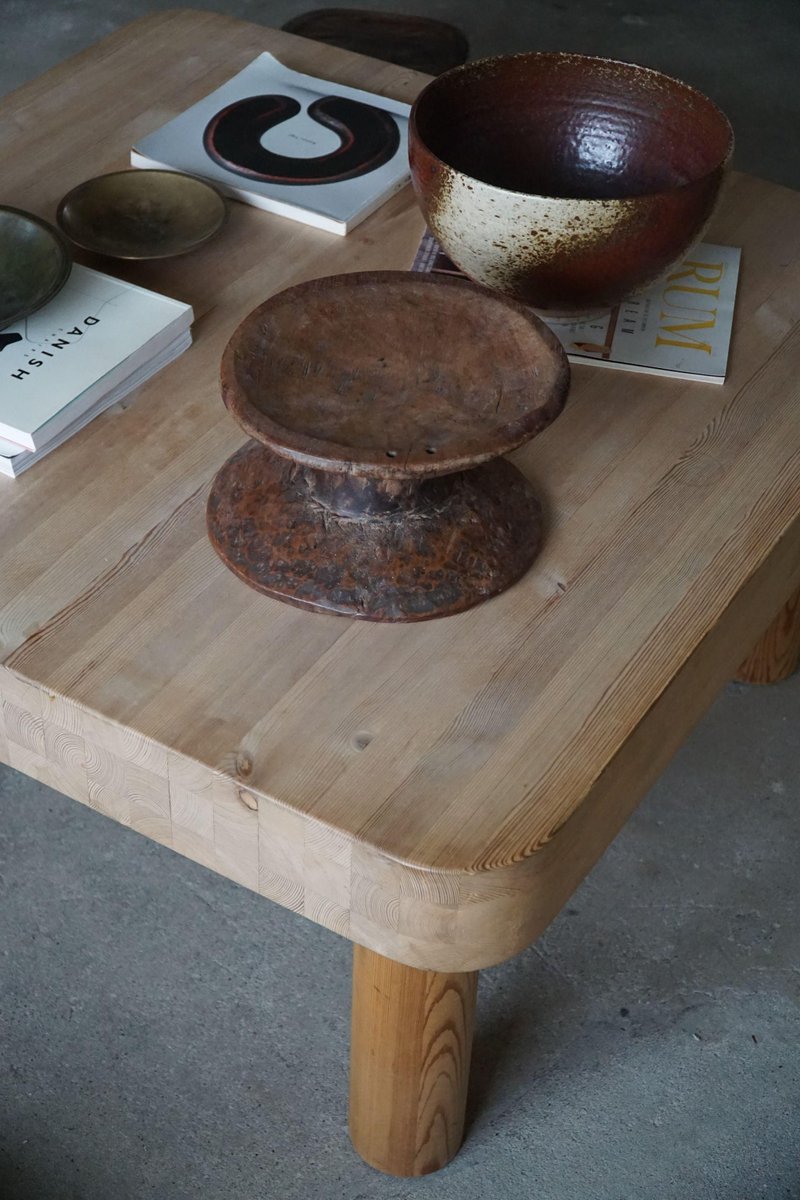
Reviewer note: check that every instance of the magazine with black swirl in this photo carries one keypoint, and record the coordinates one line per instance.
(300, 147)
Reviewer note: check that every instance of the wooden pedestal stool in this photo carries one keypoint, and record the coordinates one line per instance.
(376, 487)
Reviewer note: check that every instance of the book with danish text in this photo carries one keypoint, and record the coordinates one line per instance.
(679, 327)
(301, 147)
(87, 347)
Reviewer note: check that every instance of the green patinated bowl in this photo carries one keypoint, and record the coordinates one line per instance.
(35, 263)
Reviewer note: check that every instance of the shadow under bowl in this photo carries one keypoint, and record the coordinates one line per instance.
(566, 181)
(36, 263)
(142, 214)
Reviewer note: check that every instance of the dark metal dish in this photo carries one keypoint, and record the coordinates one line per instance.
(140, 214)
(35, 263)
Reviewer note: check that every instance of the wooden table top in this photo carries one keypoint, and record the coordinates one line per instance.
(432, 791)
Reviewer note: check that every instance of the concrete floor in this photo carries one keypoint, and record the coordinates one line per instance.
(166, 1035)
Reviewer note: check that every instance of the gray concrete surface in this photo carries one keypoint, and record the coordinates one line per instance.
(165, 1035)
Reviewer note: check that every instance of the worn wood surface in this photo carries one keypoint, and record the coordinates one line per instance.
(457, 542)
(776, 654)
(387, 374)
(434, 791)
(410, 1051)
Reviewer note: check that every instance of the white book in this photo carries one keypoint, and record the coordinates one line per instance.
(301, 147)
(679, 327)
(14, 459)
(57, 363)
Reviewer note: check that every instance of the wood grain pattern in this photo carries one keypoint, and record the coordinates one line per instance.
(409, 1063)
(776, 654)
(435, 791)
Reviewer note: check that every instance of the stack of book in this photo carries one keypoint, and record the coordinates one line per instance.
(88, 348)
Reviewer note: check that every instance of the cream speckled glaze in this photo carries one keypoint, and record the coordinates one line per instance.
(635, 160)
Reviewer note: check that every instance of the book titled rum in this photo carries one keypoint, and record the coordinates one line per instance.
(680, 327)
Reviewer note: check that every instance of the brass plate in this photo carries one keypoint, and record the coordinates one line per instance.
(142, 214)
(35, 263)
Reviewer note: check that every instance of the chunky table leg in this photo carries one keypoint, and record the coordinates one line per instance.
(777, 652)
(409, 1063)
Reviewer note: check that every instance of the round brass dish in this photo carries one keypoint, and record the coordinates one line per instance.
(35, 263)
(142, 214)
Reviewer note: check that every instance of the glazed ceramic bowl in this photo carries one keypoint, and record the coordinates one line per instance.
(565, 181)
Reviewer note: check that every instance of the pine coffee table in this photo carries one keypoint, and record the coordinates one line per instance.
(434, 791)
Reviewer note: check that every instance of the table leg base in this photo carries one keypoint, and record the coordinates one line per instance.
(776, 654)
(409, 1063)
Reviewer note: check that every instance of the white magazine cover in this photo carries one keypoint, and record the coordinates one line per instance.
(305, 148)
(56, 363)
(15, 459)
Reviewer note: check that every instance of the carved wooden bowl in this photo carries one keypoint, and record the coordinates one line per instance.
(382, 404)
(566, 181)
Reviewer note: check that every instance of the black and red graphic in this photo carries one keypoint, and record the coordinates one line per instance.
(369, 137)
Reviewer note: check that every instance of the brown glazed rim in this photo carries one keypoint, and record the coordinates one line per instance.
(322, 453)
(567, 56)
